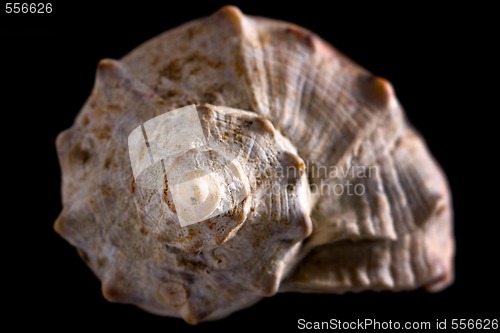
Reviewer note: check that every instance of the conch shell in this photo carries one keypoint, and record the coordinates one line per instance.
(304, 175)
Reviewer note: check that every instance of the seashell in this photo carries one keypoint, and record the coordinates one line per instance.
(236, 157)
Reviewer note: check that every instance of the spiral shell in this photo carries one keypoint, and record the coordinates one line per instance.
(198, 221)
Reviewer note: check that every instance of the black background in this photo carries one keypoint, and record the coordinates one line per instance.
(436, 58)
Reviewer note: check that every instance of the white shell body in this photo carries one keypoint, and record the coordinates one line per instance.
(286, 122)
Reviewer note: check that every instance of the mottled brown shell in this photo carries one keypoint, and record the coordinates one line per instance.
(282, 98)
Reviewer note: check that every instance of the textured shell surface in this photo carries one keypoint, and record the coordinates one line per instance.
(335, 191)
